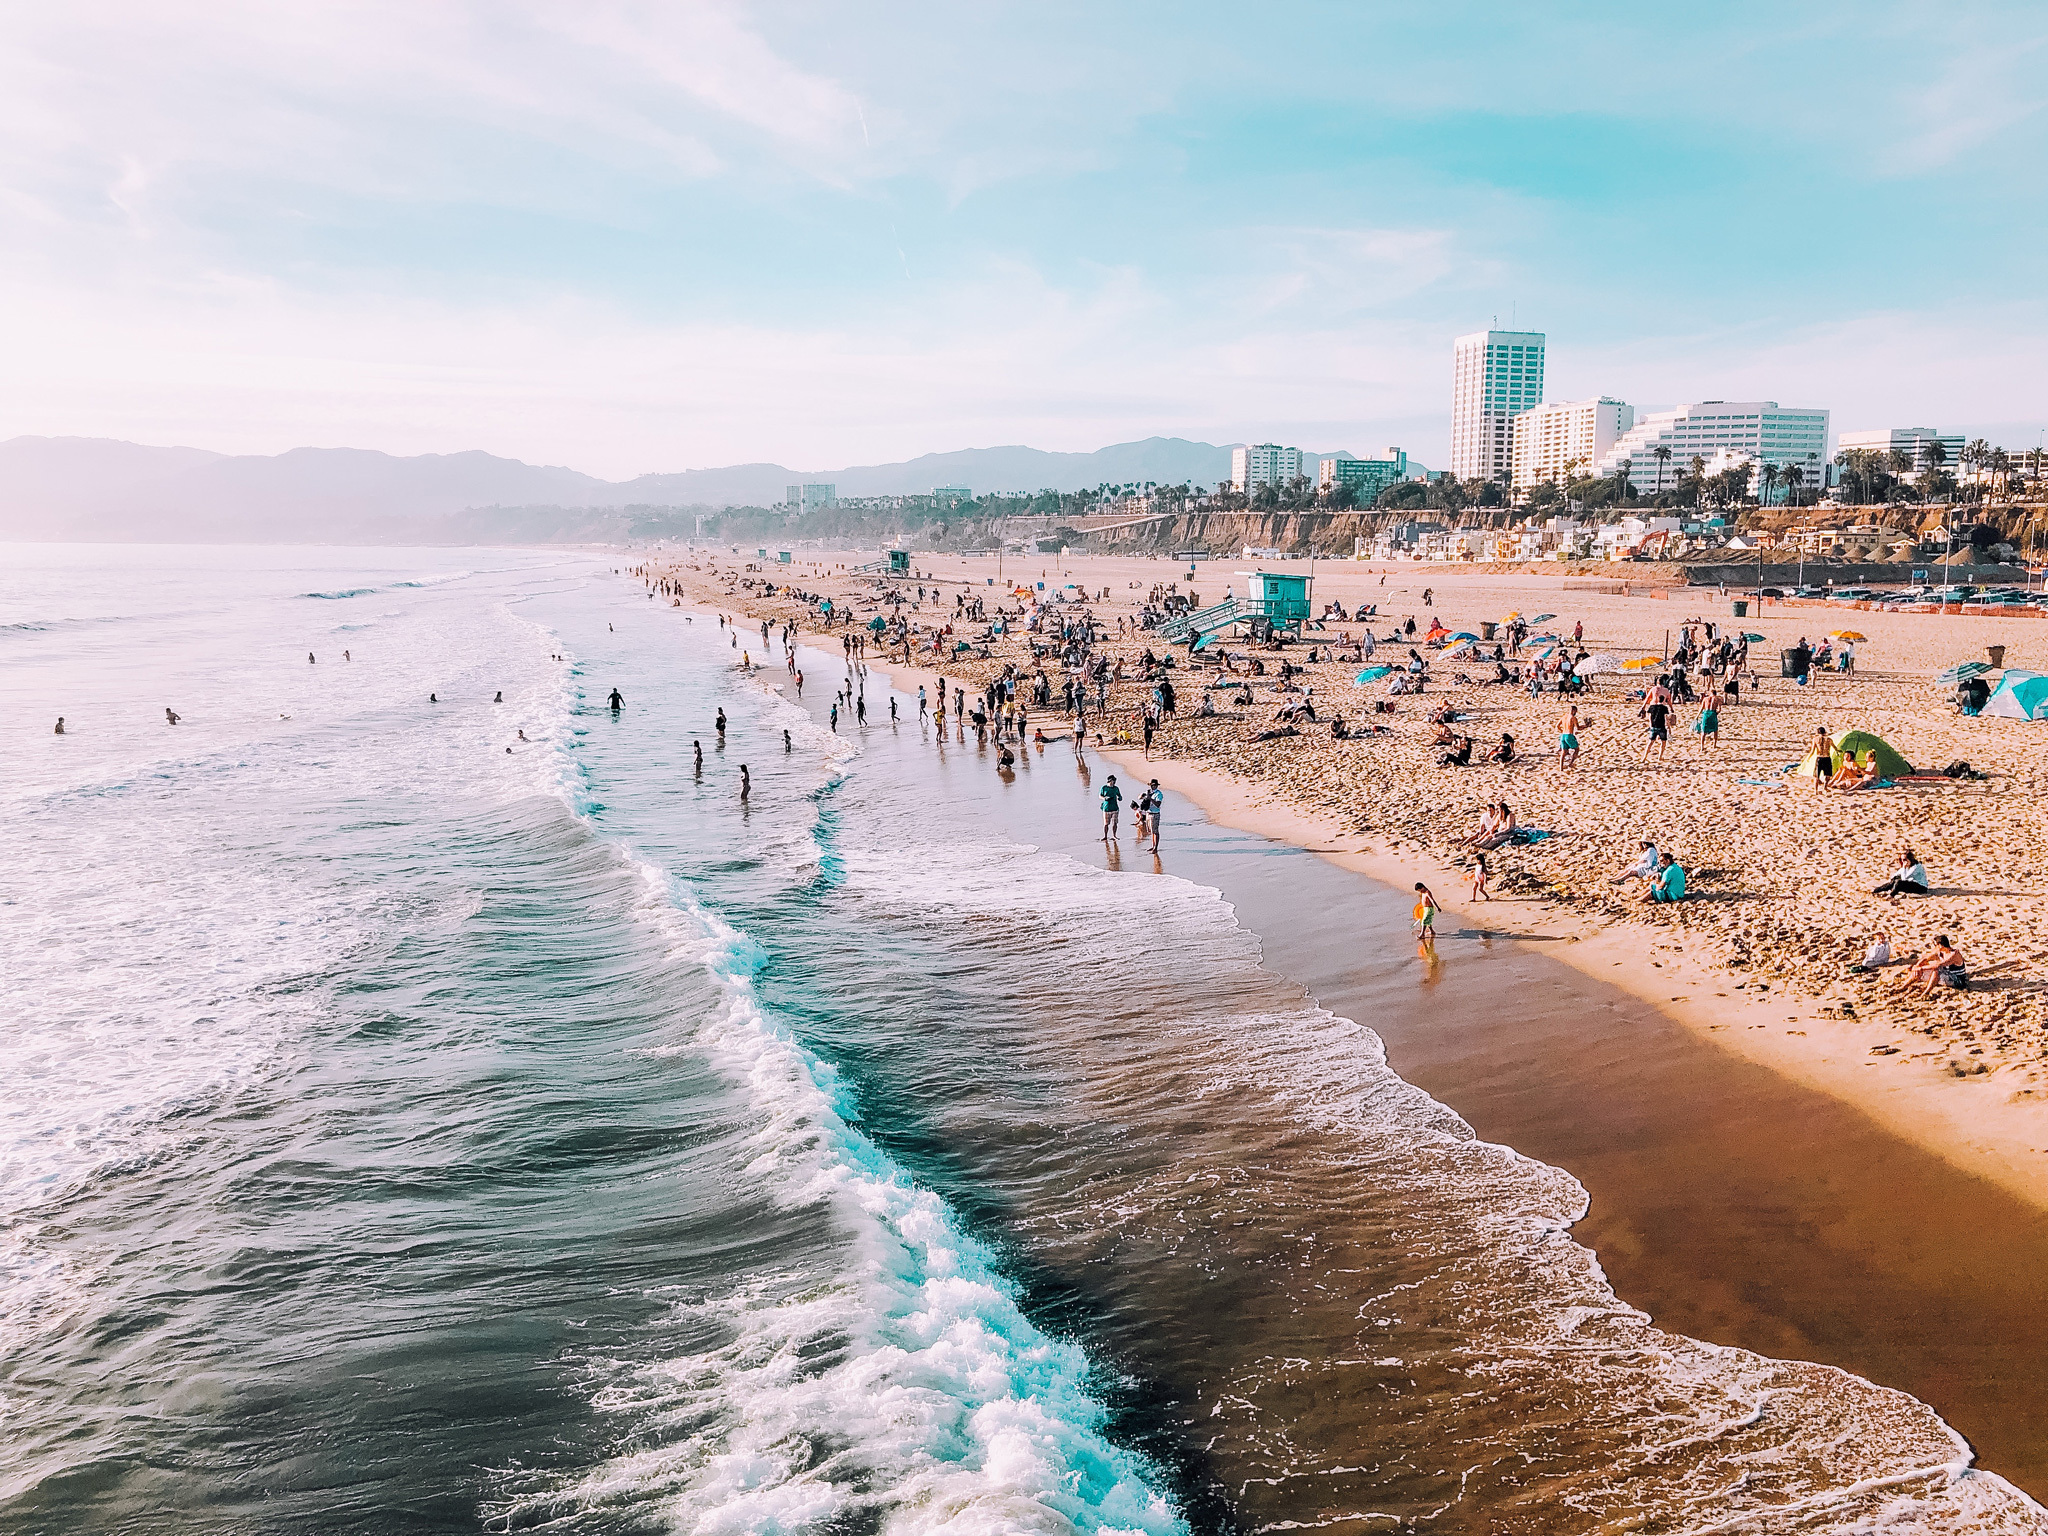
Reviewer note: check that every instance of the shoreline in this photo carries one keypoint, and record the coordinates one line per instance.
(1699, 1164)
(1988, 1119)
(1962, 1120)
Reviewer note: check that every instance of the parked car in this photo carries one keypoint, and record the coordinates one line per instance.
(1770, 591)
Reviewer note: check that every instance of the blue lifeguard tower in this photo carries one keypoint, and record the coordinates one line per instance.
(1273, 602)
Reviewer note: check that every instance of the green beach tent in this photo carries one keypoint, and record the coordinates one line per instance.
(1863, 744)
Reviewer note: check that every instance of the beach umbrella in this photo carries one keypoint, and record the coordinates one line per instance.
(878, 624)
(1371, 674)
(1750, 635)
(1543, 618)
(1599, 661)
(1642, 663)
(1464, 634)
(1845, 634)
(1962, 671)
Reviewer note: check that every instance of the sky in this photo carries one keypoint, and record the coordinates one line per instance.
(647, 237)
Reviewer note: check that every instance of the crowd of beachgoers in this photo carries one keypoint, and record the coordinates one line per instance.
(1741, 783)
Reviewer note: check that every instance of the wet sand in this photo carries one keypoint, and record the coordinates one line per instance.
(1728, 1202)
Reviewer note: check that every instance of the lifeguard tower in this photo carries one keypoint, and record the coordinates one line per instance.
(1273, 603)
(895, 563)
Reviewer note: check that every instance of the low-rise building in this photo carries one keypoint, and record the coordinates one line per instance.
(1916, 443)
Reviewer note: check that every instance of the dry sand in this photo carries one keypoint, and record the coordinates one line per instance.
(1760, 962)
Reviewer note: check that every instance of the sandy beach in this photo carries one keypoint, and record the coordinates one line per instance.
(1759, 961)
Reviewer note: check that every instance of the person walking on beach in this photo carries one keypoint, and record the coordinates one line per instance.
(1658, 712)
(1568, 738)
(1708, 727)
(923, 709)
(1112, 799)
(1478, 878)
(1425, 920)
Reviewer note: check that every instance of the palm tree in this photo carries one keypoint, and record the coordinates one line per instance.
(1794, 478)
(1662, 454)
(1767, 476)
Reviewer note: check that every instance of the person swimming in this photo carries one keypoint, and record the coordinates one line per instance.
(170, 715)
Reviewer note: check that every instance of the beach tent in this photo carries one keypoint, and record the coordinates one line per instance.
(2020, 696)
(1863, 744)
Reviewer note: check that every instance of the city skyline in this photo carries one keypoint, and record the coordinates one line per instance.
(625, 240)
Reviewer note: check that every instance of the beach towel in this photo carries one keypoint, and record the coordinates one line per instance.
(1525, 835)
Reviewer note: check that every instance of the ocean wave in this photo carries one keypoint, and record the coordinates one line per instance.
(906, 1391)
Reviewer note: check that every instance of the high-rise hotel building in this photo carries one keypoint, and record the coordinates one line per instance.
(1255, 464)
(1496, 375)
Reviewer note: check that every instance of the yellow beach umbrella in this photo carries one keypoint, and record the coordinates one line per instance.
(1845, 634)
(1641, 662)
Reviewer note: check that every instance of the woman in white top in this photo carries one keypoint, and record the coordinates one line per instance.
(1909, 879)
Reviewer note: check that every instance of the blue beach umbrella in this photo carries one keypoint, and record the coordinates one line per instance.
(1464, 634)
(1372, 673)
(1962, 671)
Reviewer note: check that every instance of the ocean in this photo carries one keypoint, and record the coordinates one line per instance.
(401, 1133)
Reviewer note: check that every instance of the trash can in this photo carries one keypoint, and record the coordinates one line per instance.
(1741, 608)
(1996, 653)
(1487, 628)
(1788, 663)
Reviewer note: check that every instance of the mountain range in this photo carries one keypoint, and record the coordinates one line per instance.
(101, 488)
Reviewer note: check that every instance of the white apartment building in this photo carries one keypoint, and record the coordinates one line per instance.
(1549, 437)
(1495, 376)
(1257, 464)
(815, 494)
(1911, 441)
(1721, 432)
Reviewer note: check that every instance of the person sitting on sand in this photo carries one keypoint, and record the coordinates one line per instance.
(1669, 882)
(1850, 777)
(1444, 737)
(1879, 955)
(1462, 758)
(1505, 752)
(1642, 869)
(1909, 879)
(1941, 966)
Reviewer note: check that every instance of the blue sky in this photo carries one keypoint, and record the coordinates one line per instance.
(638, 237)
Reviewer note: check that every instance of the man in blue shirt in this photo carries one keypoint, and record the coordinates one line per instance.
(1670, 882)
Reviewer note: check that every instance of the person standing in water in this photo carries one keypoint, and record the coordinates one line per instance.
(1112, 799)
(1425, 919)
(170, 715)
(786, 745)
(746, 784)
(1158, 809)
(698, 748)
(834, 716)
(618, 701)
(60, 725)
(720, 723)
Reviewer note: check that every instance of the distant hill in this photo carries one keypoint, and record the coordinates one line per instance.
(101, 488)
